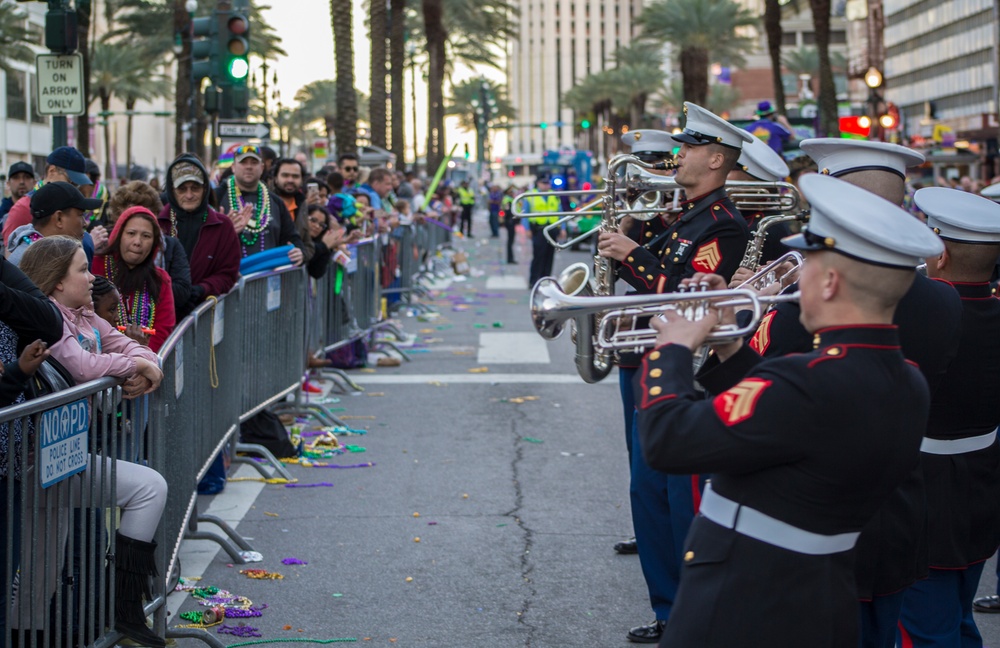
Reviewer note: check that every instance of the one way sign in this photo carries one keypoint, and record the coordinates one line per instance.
(244, 130)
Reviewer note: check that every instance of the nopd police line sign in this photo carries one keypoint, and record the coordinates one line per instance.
(60, 84)
(62, 432)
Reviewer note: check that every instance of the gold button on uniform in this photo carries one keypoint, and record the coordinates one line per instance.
(649, 277)
(642, 269)
(689, 556)
(674, 236)
(676, 259)
(649, 235)
(655, 355)
(655, 391)
(656, 373)
(833, 351)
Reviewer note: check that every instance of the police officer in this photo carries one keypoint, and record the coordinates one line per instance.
(892, 551)
(709, 235)
(960, 454)
(467, 200)
(539, 206)
(802, 449)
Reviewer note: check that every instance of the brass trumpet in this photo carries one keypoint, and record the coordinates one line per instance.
(551, 307)
(768, 274)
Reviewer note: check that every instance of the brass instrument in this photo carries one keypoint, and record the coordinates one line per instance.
(768, 275)
(755, 246)
(551, 308)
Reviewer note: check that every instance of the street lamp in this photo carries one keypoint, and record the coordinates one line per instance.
(873, 78)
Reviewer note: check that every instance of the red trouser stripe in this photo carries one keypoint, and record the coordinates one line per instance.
(695, 494)
(906, 642)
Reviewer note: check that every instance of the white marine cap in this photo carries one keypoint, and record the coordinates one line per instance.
(959, 215)
(860, 225)
(992, 192)
(759, 160)
(647, 140)
(704, 127)
(836, 156)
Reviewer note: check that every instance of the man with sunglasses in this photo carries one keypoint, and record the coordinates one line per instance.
(349, 165)
(709, 235)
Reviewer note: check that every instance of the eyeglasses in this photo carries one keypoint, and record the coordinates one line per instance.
(247, 148)
(347, 168)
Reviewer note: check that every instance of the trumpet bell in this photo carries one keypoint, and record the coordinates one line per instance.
(545, 301)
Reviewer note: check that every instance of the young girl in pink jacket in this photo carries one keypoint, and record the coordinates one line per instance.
(90, 348)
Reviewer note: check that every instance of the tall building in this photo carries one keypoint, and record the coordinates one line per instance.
(941, 64)
(561, 41)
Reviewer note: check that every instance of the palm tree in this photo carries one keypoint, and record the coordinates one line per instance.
(377, 25)
(110, 67)
(346, 125)
(463, 94)
(805, 60)
(702, 30)
(83, 47)
(721, 98)
(142, 84)
(14, 37)
(397, 66)
(772, 27)
(318, 101)
(436, 34)
(828, 119)
(637, 74)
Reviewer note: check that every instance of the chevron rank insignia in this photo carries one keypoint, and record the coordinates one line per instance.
(708, 257)
(738, 404)
(762, 338)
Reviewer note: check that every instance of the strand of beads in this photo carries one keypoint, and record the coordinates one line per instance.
(261, 574)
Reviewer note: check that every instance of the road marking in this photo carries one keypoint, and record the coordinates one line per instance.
(478, 379)
(510, 282)
(512, 348)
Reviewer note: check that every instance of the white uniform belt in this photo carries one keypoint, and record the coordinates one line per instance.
(751, 522)
(957, 446)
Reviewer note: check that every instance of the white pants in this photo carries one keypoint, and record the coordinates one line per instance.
(140, 492)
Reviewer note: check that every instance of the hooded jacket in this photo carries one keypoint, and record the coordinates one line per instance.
(165, 318)
(208, 238)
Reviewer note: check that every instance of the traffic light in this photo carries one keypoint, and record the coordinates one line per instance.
(890, 120)
(585, 124)
(203, 45)
(60, 29)
(235, 41)
(543, 125)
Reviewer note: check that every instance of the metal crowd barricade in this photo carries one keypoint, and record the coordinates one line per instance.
(58, 498)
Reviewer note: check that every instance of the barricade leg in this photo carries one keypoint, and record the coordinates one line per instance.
(193, 533)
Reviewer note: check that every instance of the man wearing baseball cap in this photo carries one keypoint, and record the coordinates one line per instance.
(57, 208)
(772, 127)
(20, 180)
(65, 164)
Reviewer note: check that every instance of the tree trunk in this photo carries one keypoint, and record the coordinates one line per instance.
(106, 107)
(694, 74)
(182, 85)
(83, 121)
(377, 101)
(436, 35)
(329, 126)
(828, 121)
(346, 130)
(397, 67)
(772, 25)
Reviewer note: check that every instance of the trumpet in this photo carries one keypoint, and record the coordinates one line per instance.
(551, 308)
(768, 275)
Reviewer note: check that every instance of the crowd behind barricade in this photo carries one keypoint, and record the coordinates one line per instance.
(93, 282)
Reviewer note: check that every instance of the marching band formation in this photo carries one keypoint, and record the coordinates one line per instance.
(808, 375)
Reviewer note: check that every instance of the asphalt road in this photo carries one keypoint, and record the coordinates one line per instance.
(509, 469)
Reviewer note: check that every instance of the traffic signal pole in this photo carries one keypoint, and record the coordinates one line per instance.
(61, 38)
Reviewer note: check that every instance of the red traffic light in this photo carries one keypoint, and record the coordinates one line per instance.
(238, 25)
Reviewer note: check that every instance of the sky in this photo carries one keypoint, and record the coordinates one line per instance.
(307, 36)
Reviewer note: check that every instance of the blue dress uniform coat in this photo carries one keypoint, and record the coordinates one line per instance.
(817, 441)
(892, 552)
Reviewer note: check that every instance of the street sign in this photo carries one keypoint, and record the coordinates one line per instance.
(63, 434)
(244, 130)
(60, 84)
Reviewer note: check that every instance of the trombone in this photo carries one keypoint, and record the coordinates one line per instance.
(551, 308)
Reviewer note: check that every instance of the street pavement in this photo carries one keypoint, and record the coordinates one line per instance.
(499, 485)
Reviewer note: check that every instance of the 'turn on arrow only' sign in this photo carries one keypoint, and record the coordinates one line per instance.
(244, 130)
(60, 84)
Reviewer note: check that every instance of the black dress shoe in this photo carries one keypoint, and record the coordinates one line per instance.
(648, 633)
(626, 547)
(987, 604)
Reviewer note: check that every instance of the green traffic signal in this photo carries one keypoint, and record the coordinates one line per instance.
(585, 124)
(237, 46)
(543, 125)
(238, 69)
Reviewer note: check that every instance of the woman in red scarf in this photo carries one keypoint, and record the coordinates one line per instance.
(147, 299)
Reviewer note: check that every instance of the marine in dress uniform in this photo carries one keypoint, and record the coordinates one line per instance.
(651, 146)
(759, 163)
(802, 449)
(892, 551)
(960, 456)
(709, 235)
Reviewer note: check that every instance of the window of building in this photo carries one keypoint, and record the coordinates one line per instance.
(789, 39)
(33, 97)
(17, 106)
(790, 83)
(808, 38)
(838, 38)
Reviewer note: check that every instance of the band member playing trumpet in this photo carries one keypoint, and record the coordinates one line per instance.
(709, 236)
(802, 449)
(892, 551)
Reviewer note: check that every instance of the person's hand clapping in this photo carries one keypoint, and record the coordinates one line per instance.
(241, 217)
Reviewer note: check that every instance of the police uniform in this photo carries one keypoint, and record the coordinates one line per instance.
(960, 456)
(892, 551)
(709, 235)
(542, 253)
(802, 449)
(762, 164)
